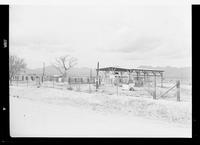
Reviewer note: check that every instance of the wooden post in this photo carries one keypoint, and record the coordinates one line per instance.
(178, 90)
(17, 80)
(117, 84)
(90, 74)
(161, 74)
(137, 75)
(53, 82)
(97, 77)
(154, 94)
(81, 80)
(69, 82)
(89, 80)
(129, 76)
(89, 85)
(121, 78)
(79, 86)
(105, 77)
(39, 81)
(144, 78)
(147, 80)
(43, 72)
(27, 81)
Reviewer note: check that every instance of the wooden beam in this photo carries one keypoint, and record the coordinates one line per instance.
(161, 75)
(154, 94)
(178, 90)
(97, 77)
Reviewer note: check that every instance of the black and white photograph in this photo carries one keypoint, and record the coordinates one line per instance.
(100, 68)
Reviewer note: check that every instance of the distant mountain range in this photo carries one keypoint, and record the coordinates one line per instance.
(170, 72)
(173, 72)
(51, 70)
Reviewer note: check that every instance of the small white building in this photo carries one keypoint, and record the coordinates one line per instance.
(24, 76)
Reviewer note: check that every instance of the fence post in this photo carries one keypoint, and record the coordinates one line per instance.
(148, 81)
(17, 80)
(117, 84)
(69, 82)
(53, 82)
(154, 94)
(89, 85)
(79, 86)
(161, 80)
(97, 77)
(27, 82)
(178, 90)
(144, 79)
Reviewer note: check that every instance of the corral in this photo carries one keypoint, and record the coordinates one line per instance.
(119, 81)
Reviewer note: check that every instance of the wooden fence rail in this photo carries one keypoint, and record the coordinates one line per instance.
(177, 86)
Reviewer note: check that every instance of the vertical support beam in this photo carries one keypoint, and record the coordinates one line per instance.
(117, 83)
(69, 82)
(137, 78)
(161, 80)
(147, 79)
(129, 76)
(90, 75)
(137, 75)
(105, 77)
(43, 72)
(154, 94)
(121, 78)
(99, 80)
(27, 80)
(53, 81)
(144, 77)
(81, 80)
(17, 80)
(97, 77)
(136, 81)
(178, 90)
(110, 72)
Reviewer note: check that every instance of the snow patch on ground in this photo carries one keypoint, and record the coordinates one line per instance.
(54, 112)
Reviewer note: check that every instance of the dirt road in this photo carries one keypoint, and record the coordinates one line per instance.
(32, 118)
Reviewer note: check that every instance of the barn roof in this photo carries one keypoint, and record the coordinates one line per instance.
(128, 69)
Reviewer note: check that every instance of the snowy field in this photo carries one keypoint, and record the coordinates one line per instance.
(142, 92)
(64, 113)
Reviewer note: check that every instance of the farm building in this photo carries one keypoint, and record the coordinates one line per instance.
(114, 75)
(27, 76)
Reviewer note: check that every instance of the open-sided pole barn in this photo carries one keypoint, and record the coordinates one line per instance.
(125, 75)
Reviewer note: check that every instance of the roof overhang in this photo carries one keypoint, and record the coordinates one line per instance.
(129, 70)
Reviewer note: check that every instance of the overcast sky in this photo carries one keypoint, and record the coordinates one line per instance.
(115, 33)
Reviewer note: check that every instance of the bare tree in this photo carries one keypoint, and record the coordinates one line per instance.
(15, 66)
(64, 63)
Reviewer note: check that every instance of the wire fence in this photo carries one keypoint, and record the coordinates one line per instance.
(168, 90)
